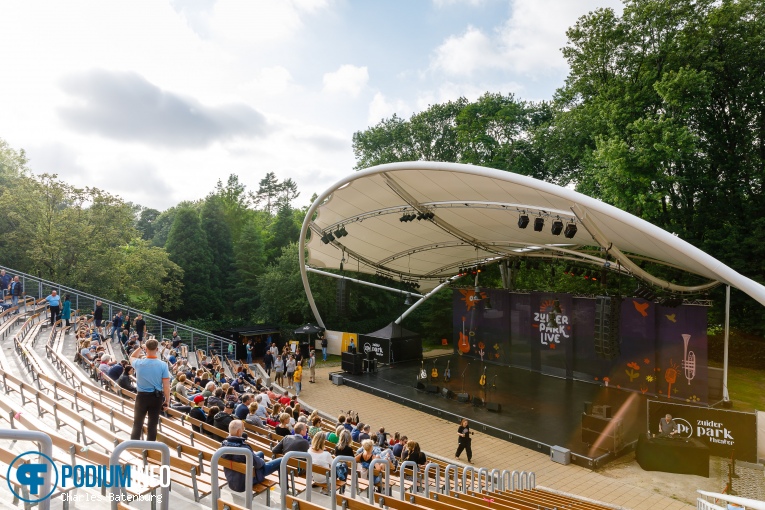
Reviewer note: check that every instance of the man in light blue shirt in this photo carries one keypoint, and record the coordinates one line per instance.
(153, 389)
(54, 302)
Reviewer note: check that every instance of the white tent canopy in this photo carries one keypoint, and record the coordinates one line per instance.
(475, 213)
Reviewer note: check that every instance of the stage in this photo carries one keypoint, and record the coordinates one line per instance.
(537, 411)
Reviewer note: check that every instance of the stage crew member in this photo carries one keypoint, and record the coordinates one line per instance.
(667, 426)
(464, 440)
(153, 385)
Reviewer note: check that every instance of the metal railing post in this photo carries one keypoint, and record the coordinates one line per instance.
(465, 471)
(114, 460)
(447, 487)
(415, 472)
(283, 475)
(231, 450)
(333, 477)
(504, 480)
(515, 476)
(46, 448)
(425, 477)
(372, 477)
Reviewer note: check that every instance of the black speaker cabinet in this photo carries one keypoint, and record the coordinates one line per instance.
(432, 388)
(463, 397)
(587, 408)
(420, 385)
(607, 433)
(477, 402)
(352, 362)
(494, 407)
(447, 393)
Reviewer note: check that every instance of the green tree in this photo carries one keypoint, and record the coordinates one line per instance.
(146, 222)
(187, 247)
(282, 231)
(221, 249)
(250, 262)
(269, 190)
(236, 202)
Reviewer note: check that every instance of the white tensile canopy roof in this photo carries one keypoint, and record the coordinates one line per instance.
(475, 214)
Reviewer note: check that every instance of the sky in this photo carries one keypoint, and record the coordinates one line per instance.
(157, 100)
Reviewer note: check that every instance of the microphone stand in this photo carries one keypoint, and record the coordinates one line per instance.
(463, 378)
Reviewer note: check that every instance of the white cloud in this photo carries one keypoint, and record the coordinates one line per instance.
(272, 81)
(380, 107)
(347, 79)
(529, 42)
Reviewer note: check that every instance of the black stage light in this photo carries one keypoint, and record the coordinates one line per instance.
(557, 227)
(345, 232)
(523, 221)
(570, 231)
(324, 239)
(539, 224)
(338, 233)
(330, 236)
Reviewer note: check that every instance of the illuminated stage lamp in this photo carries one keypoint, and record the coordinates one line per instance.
(539, 224)
(557, 227)
(523, 221)
(570, 231)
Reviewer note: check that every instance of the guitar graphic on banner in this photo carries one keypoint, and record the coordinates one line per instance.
(482, 380)
(448, 372)
(464, 343)
(434, 371)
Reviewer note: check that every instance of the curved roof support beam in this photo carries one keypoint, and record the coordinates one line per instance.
(581, 214)
(440, 223)
(425, 298)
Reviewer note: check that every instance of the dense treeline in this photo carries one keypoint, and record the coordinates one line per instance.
(662, 115)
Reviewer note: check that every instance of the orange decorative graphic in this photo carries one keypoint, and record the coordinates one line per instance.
(633, 365)
(647, 361)
(643, 389)
(552, 346)
(464, 343)
(470, 298)
(671, 375)
(641, 308)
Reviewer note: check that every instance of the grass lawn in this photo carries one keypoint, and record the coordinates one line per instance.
(746, 387)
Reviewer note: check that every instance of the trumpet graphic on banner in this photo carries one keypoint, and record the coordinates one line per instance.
(689, 360)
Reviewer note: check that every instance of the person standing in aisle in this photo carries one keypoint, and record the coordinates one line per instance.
(464, 440)
(153, 389)
(312, 367)
(66, 311)
(54, 302)
(98, 318)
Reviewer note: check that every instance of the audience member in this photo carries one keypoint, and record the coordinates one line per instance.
(261, 468)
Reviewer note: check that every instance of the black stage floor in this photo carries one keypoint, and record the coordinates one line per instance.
(537, 411)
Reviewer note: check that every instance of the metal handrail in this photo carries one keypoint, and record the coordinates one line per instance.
(415, 471)
(754, 504)
(426, 478)
(483, 479)
(371, 473)
(46, 448)
(283, 474)
(472, 471)
(114, 460)
(333, 477)
(111, 307)
(455, 468)
(231, 450)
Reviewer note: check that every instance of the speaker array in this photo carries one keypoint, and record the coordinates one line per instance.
(607, 310)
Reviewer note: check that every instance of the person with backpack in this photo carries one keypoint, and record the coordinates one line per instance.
(260, 468)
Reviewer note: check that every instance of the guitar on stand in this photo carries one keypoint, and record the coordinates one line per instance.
(494, 382)
(448, 372)
(423, 373)
(482, 380)
(434, 371)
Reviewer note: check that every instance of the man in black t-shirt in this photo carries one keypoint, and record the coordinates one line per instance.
(140, 326)
(98, 317)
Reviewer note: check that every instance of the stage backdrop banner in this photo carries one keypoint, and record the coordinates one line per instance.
(721, 430)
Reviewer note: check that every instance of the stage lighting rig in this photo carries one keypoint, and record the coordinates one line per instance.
(557, 227)
(570, 231)
(523, 221)
(539, 224)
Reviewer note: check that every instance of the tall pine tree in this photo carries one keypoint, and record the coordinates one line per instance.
(187, 247)
(250, 262)
(221, 249)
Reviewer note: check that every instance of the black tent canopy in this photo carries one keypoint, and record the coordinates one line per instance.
(392, 343)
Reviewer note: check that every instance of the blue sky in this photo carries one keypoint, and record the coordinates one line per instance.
(157, 100)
